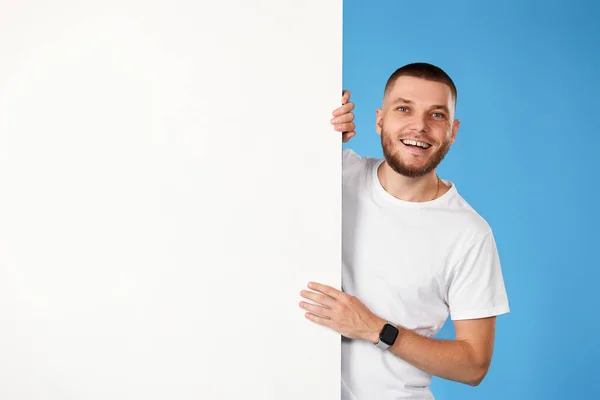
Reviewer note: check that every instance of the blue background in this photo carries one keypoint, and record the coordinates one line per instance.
(525, 158)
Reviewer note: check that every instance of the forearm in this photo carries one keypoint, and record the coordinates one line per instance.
(463, 360)
(449, 359)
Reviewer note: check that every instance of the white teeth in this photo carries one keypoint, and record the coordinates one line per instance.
(415, 143)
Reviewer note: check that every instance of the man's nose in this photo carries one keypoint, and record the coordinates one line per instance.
(419, 123)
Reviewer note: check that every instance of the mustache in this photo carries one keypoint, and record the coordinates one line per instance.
(417, 137)
(402, 135)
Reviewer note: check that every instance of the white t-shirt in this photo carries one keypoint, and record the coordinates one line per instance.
(413, 264)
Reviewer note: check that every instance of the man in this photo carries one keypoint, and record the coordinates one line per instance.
(414, 253)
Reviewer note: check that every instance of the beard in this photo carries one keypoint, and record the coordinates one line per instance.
(393, 157)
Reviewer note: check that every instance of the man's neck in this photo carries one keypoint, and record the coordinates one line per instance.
(424, 188)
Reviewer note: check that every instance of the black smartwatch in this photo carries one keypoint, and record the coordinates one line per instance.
(387, 336)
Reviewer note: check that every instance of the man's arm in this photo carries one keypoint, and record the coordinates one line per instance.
(465, 359)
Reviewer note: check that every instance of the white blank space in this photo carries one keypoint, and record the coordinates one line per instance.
(169, 182)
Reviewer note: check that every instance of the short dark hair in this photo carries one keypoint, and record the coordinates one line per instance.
(422, 70)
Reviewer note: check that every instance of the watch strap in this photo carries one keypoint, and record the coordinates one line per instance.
(382, 345)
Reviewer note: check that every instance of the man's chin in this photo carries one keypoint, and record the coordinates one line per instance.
(412, 169)
(412, 165)
(415, 151)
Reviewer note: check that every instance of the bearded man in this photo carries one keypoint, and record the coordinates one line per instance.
(414, 253)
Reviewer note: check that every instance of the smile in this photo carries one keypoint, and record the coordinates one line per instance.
(422, 145)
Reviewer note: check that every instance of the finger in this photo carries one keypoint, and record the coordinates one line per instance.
(316, 309)
(318, 298)
(347, 136)
(348, 117)
(346, 108)
(328, 290)
(345, 96)
(319, 320)
(348, 127)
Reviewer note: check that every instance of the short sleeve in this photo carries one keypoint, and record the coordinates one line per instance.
(476, 288)
(349, 158)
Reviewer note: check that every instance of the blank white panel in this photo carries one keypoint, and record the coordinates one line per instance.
(169, 182)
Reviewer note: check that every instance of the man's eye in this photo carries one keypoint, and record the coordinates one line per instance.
(403, 109)
(438, 115)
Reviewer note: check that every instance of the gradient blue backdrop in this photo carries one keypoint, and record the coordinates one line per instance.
(526, 158)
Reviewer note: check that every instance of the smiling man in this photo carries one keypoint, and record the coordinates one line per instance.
(414, 253)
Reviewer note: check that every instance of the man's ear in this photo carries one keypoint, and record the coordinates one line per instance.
(455, 126)
(378, 120)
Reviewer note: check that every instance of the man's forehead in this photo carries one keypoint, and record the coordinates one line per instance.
(419, 90)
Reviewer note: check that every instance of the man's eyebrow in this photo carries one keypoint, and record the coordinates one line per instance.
(402, 100)
(441, 107)
(435, 107)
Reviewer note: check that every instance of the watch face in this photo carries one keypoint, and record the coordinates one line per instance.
(389, 334)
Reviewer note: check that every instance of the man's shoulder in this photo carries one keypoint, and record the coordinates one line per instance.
(355, 168)
(351, 160)
(469, 220)
(350, 157)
